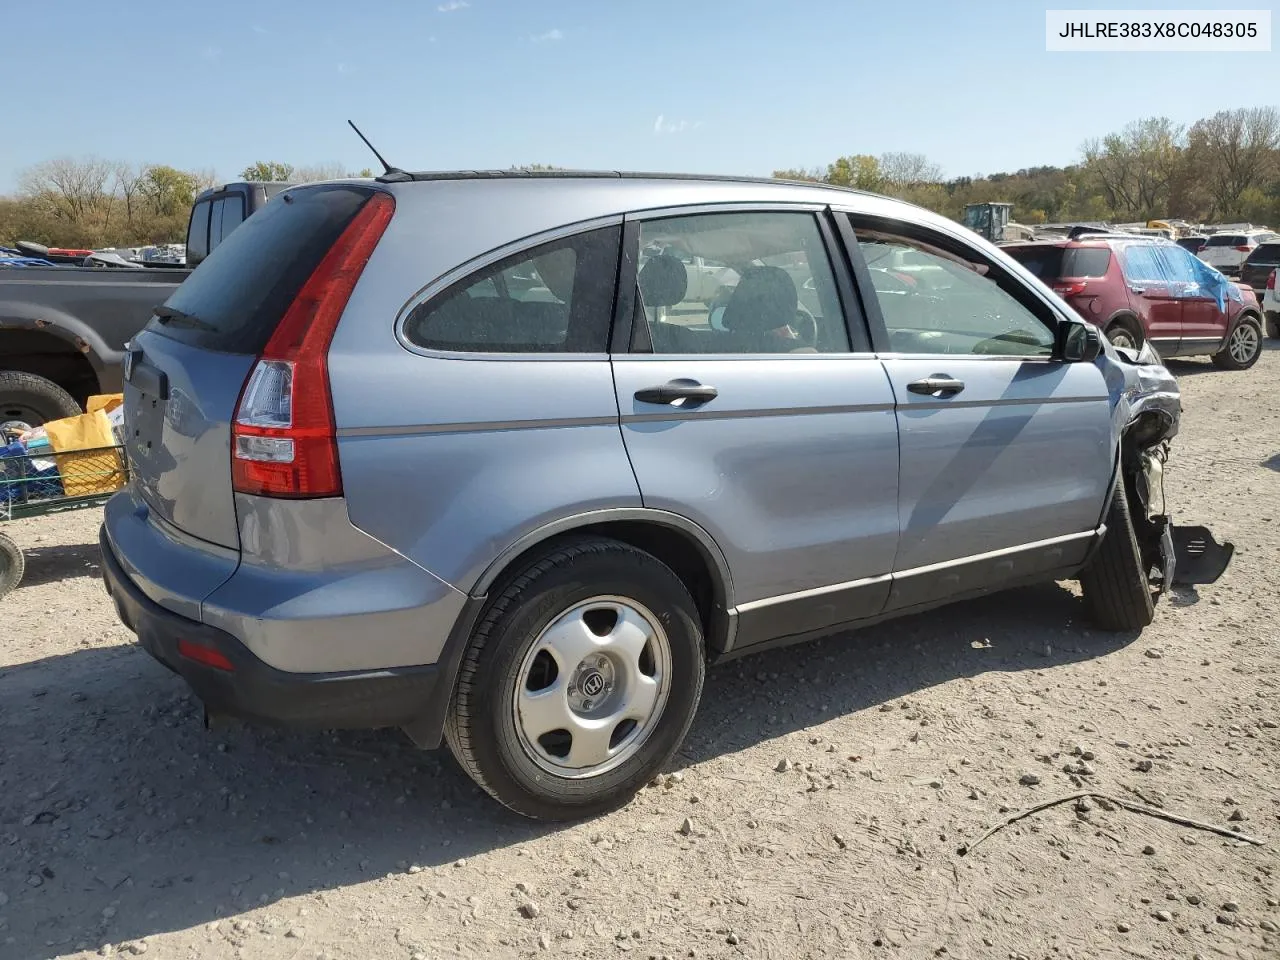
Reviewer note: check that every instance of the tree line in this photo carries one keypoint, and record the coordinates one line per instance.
(1222, 168)
(93, 203)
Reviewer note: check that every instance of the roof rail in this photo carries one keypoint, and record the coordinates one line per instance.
(518, 174)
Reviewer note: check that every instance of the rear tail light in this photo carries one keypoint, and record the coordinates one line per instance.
(284, 443)
(1070, 288)
(1243, 249)
(1271, 280)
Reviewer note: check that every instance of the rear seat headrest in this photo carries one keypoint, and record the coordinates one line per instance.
(663, 281)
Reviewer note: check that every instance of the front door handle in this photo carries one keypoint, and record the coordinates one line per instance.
(673, 391)
(937, 385)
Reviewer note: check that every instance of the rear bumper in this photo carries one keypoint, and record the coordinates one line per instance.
(256, 691)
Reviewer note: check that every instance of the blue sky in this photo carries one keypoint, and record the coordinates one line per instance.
(732, 87)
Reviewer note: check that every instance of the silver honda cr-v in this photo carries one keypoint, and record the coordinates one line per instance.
(507, 460)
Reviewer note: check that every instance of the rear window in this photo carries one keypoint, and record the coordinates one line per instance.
(1052, 263)
(238, 295)
(1267, 253)
(1227, 240)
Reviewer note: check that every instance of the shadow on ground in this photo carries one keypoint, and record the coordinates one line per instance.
(50, 564)
(113, 797)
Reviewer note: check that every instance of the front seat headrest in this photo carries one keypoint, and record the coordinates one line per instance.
(764, 299)
(663, 281)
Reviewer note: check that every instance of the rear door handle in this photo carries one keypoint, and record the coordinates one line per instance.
(673, 391)
(937, 385)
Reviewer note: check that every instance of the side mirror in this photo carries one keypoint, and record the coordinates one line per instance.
(1077, 342)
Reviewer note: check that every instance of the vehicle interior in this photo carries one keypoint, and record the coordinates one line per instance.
(976, 315)
(769, 297)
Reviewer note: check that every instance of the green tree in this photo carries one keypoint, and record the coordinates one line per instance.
(167, 190)
(1236, 150)
(860, 171)
(267, 170)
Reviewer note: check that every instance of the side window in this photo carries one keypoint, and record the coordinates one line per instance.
(198, 232)
(945, 303)
(232, 214)
(736, 283)
(1181, 269)
(215, 225)
(1142, 264)
(556, 298)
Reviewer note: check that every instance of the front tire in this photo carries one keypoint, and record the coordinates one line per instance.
(580, 681)
(1125, 333)
(1117, 594)
(1244, 346)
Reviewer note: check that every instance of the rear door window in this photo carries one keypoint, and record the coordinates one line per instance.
(215, 224)
(235, 298)
(232, 214)
(1142, 263)
(554, 298)
(769, 287)
(198, 232)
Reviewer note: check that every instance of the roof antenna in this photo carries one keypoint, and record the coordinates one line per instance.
(391, 173)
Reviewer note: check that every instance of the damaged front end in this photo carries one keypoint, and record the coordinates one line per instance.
(1147, 414)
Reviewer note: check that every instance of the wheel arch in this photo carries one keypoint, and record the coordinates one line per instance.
(1127, 316)
(29, 332)
(683, 545)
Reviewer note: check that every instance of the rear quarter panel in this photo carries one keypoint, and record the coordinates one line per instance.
(451, 459)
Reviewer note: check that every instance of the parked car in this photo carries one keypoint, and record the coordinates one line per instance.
(1141, 290)
(1228, 251)
(1259, 265)
(1193, 244)
(370, 487)
(63, 327)
(1271, 307)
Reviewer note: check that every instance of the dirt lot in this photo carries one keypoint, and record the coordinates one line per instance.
(126, 828)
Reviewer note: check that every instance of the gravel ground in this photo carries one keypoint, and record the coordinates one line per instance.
(816, 810)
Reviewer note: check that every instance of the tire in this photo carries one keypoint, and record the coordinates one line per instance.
(1125, 332)
(493, 738)
(1117, 595)
(1244, 346)
(12, 565)
(26, 398)
(1273, 325)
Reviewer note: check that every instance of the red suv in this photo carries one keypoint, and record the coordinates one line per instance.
(1138, 288)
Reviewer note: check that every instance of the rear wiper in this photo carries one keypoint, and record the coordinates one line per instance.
(167, 314)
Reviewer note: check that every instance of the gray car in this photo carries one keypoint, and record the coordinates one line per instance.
(436, 451)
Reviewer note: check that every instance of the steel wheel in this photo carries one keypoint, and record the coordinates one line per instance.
(592, 687)
(1243, 344)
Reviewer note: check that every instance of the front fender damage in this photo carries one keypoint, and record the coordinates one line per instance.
(1147, 412)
